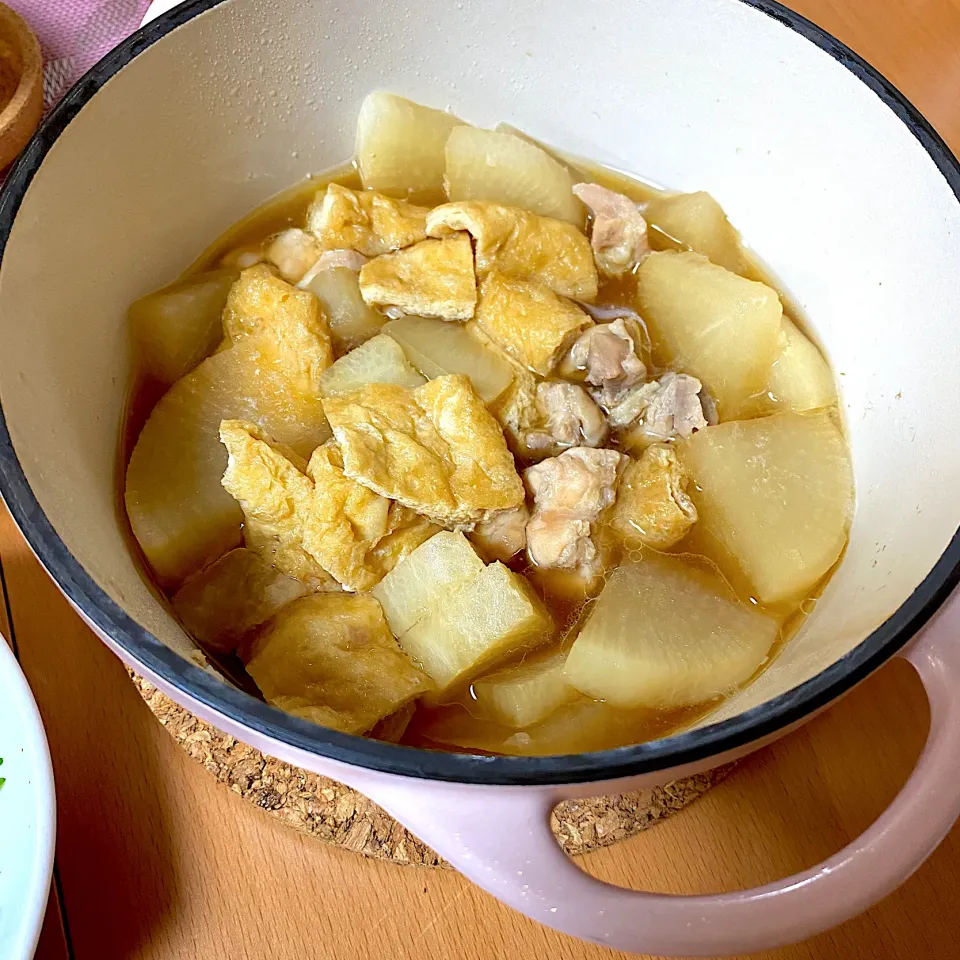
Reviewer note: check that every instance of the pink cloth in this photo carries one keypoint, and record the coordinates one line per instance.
(75, 34)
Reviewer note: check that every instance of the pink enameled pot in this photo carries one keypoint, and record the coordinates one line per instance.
(838, 182)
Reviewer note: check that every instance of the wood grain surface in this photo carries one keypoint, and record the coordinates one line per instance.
(155, 860)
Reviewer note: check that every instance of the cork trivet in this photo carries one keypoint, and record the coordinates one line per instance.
(337, 814)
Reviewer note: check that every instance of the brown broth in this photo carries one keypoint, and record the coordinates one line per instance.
(570, 612)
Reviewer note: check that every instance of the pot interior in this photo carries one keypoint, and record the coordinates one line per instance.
(826, 183)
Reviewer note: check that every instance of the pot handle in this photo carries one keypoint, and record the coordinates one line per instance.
(500, 838)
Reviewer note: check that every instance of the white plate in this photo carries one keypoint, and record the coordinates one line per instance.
(27, 813)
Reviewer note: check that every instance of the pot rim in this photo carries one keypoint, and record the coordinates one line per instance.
(243, 709)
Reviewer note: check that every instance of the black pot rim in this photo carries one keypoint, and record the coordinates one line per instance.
(241, 708)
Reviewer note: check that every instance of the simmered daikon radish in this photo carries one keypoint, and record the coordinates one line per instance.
(422, 580)
(351, 320)
(777, 495)
(179, 512)
(380, 360)
(665, 634)
(710, 323)
(486, 165)
(484, 620)
(177, 327)
(697, 222)
(524, 693)
(436, 347)
(577, 727)
(800, 378)
(400, 145)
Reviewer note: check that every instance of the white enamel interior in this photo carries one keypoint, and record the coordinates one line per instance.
(823, 180)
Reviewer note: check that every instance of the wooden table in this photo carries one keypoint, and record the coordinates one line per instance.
(155, 860)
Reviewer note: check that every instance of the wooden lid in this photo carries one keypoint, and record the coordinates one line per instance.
(21, 84)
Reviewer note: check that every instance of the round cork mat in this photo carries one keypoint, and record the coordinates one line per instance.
(339, 815)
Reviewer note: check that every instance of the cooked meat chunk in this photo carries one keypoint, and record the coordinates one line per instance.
(319, 516)
(433, 278)
(619, 235)
(521, 245)
(367, 222)
(529, 321)
(435, 449)
(570, 493)
(504, 535)
(331, 260)
(293, 252)
(606, 356)
(572, 419)
(652, 507)
(227, 599)
(670, 407)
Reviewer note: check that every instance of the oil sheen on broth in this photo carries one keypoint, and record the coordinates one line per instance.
(638, 602)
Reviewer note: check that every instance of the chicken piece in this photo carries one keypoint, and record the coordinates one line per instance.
(234, 594)
(333, 260)
(332, 659)
(367, 222)
(435, 449)
(673, 406)
(676, 409)
(529, 321)
(293, 252)
(433, 278)
(503, 536)
(521, 245)
(571, 419)
(619, 235)
(318, 519)
(570, 493)
(606, 356)
(652, 507)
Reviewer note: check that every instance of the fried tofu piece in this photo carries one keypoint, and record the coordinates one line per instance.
(435, 449)
(522, 245)
(311, 521)
(286, 553)
(433, 278)
(262, 303)
(652, 507)
(287, 334)
(529, 321)
(367, 222)
(332, 659)
(269, 483)
(406, 530)
(517, 411)
(355, 534)
(234, 594)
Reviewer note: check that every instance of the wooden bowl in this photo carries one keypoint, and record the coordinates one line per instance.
(21, 84)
